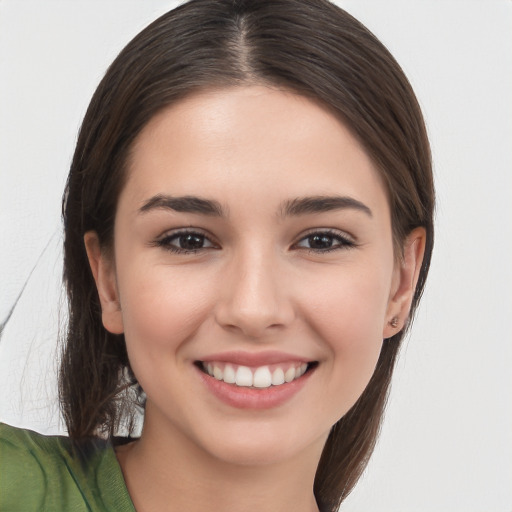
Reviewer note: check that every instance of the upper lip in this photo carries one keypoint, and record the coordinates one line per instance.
(254, 358)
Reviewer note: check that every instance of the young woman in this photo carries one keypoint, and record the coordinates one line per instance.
(248, 230)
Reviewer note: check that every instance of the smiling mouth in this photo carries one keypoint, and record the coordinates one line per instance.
(256, 378)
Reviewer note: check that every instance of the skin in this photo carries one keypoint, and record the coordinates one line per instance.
(255, 285)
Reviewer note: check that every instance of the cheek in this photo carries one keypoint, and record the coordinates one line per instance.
(351, 303)
(161, 308)
(348, 320)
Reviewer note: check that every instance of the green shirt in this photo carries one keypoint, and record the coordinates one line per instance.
(51, 473)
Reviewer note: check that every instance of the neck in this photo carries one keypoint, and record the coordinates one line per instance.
(169, 473)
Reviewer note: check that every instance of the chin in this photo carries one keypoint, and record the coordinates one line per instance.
(263, 445)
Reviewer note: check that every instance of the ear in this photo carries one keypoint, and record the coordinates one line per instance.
(102, 267)
(405, 277)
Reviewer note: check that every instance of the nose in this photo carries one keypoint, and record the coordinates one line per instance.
(254, 297)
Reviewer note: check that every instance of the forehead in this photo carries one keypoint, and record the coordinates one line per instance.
(257, 139)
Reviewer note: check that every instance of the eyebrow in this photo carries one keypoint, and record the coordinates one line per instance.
(292, 207)
(185, 204)
(320, 204)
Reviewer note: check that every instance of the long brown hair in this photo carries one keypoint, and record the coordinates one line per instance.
(309, 46)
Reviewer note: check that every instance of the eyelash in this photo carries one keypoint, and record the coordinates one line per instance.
(166, 242)
(344, 242)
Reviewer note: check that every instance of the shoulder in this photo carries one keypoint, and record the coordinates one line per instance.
(40, 472)
(21, 470)
(24, 440)
(22, 447)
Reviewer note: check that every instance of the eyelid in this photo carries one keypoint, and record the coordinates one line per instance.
(328, 231)
(168, 233)
(161, 241)
(345, 239)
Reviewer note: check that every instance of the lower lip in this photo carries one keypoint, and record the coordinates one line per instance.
(252, 398)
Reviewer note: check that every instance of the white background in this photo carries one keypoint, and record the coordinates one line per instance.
(446, 444)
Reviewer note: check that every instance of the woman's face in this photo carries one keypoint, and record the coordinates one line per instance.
(252, 241)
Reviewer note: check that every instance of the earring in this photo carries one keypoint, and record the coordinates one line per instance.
(394, 322)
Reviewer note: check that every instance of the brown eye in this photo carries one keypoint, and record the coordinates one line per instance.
(185, 242)
(191, 241)
(320, 241)
(325, 241)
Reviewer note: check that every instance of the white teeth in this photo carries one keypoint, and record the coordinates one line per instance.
(229, 374)
(262, 377)
(290, 374)
(243, 376)
(301, 370)
(218, 373)
(278, 377)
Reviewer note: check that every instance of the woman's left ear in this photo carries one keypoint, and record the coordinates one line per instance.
(405, 277)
